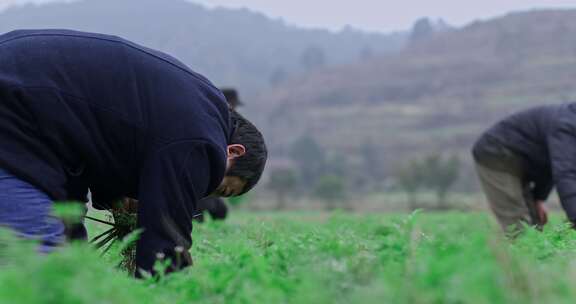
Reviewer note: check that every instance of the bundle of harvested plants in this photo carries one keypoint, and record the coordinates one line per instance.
(123, 222)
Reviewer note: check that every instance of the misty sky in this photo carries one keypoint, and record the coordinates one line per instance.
(376, 15)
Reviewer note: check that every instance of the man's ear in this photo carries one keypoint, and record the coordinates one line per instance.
(236, 150)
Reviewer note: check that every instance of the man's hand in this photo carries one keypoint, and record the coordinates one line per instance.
(126, 205)
(542, 213)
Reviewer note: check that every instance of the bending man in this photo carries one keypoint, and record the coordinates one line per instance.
(81, 110)
(520, 159)
(214, 205)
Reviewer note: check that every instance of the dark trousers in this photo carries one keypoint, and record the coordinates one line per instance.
(503, 178)
(29, 212)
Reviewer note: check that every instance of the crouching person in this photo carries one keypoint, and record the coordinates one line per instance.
(83, 111)
(215, 206)
(520, 159)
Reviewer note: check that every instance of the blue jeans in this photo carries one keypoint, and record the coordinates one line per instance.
(28, 211)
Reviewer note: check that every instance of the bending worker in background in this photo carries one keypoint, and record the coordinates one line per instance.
(214, 205)
(520, 159)
(83, 111)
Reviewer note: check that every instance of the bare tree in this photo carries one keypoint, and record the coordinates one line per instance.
(282, 182)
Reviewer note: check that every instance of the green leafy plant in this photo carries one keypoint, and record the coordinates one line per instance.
(305, 257)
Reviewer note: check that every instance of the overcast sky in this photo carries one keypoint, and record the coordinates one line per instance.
(376, 15)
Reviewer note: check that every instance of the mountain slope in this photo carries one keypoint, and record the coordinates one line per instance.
(438, 94)
(232, 47)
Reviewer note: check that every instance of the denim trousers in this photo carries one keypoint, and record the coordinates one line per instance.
(27, 211)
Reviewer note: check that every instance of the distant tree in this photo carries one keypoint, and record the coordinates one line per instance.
(282, 182)
(434, 172)
(313, 57)
(411, 180)
(366, 53)
(442, 26)
(440, 174)
(278, 76)
(370, 154)
(310, 159)
(422, 29)
(331, 189)
(336, 164)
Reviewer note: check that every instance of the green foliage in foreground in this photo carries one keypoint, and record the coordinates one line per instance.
(315, 258)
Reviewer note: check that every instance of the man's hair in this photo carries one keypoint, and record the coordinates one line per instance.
(250, 165)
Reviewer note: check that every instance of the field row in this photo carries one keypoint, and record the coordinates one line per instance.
(318, 258)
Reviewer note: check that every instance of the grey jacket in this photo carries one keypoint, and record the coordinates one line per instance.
(545, 138)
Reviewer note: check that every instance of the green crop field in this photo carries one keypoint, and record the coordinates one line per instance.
(317, 258)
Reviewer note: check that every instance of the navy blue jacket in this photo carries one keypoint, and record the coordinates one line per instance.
(81, 110)
(545, 138)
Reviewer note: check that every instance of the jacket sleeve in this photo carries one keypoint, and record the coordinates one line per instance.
(562, 148)
(172, 182)
(542, 187)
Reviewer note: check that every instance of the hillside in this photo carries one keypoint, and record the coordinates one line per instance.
(232, 47)
(437, 95)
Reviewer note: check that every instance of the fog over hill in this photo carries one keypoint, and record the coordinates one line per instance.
(232, 47)
(436, 95)
(371, 101)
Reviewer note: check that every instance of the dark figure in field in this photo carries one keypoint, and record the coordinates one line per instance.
(520, 159)
(232, 98)
(215, 206)
(83, 111)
